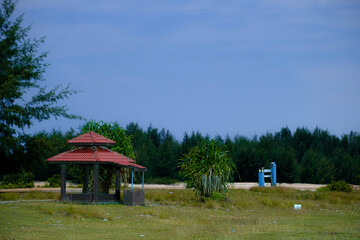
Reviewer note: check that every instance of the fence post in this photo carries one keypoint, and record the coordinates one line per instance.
(96, 182)
(86, 180)
(132, 179)
(273, 174)
(117, 184)
(261, 178)
(63, 182)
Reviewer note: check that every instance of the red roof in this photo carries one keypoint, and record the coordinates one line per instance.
(91, 139)
(95, 154)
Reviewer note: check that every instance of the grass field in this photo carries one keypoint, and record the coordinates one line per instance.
(261, 213)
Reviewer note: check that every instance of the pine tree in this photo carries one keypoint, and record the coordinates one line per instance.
(21, 71)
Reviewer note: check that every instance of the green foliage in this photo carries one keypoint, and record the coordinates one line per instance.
(316, 167)
(114, 132)
(207, 168)
(158, 150)
(302, 156)
(218, 196)
(123, 145)
(21, 71)
(33, 150)
(55, 180)
(42, 145)
(339, 186)
(18, 180)
(191, 141)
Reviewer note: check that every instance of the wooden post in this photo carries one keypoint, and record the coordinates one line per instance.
(63, 182)
(96, 182)
(117, 184)
(86, 180)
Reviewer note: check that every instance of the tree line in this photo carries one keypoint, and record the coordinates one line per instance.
(301, 156)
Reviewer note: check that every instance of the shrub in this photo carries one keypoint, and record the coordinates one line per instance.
(339, 186)
(218, 196)
(208, 168)
(18, 180)
(55, 180)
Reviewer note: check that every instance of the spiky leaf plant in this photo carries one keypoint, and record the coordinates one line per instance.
(208, 168)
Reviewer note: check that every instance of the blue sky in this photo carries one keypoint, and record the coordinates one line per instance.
(218, 67)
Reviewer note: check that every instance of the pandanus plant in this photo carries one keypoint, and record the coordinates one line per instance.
(208, 169)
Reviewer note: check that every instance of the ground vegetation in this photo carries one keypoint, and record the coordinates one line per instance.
(261, 213)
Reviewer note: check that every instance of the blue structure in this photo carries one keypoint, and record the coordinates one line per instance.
(271, 173)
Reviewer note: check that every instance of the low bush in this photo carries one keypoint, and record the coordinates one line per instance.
(215, 196)
(218, 196)
(339, 186)
(55, 180)
(18, 180)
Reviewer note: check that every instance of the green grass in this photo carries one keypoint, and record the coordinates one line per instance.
(262, 213)
(35, 195)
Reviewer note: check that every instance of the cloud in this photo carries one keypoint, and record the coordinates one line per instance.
(267, 25)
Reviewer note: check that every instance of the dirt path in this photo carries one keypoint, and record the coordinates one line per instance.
(237, 185)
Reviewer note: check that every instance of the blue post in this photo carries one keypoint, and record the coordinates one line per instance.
(273, 174)
(261, 178)
(132, 180)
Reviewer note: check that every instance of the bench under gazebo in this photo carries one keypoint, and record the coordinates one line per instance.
(90, 151)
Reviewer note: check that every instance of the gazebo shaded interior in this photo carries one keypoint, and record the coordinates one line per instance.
(90, 151)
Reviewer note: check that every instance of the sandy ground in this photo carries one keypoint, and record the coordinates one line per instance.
(237, 185)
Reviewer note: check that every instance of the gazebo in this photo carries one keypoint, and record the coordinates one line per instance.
(90, 150)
